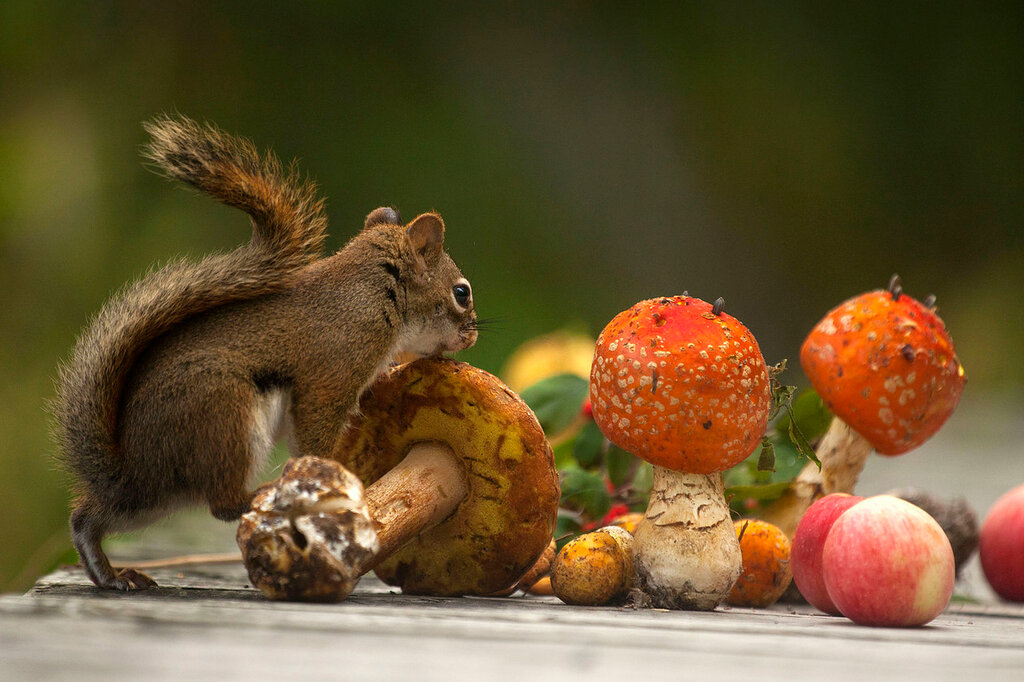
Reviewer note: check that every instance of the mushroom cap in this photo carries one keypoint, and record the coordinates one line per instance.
(679, 386)
(508, 517)
(886, 367)
(308, 536)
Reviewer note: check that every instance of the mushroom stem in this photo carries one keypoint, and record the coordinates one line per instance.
(421, 491)
(687, 554)
(842, 452)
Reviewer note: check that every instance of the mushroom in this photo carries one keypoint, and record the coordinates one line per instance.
(885, 365)
(308, 535)
(540, 570)
(684, 386)
(461, 481)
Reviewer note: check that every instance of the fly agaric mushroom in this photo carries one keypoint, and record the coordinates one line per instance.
(684, 386)
(461, 481)
(885, 365)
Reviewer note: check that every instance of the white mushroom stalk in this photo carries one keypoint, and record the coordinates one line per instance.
(687, 554)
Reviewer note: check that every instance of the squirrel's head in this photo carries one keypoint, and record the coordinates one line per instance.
(436, 300)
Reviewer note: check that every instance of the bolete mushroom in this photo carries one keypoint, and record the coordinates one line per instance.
(308, 535)
(885, 365)
(684, 386)
(461, 481)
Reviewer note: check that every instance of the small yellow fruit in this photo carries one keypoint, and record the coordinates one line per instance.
(766, 573)
(542, 587)
(545, 356)
(628, 521)
(595, 568)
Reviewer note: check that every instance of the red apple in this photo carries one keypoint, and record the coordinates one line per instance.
(887, 562)
(1001, 545)
(809, 540)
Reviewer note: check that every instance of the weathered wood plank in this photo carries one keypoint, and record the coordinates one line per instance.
(209, 622)
(206, 622)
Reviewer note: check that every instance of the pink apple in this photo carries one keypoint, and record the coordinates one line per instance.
(887, 562)
(1001, 545)
(809, 540)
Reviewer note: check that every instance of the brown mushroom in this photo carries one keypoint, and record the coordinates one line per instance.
(461, 481)
(308, 535)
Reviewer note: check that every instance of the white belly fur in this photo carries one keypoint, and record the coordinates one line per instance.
(271, 421)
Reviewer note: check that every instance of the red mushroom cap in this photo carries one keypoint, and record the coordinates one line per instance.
(885, 365)
(680, 386)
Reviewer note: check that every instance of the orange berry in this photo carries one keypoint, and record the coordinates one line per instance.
(766, 573)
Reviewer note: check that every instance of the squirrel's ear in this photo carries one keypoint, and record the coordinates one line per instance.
(385, 215)
(425, 235)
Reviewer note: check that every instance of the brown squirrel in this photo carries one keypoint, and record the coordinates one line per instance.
(179, 387)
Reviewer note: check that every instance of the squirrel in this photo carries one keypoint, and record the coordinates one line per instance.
(179, 387)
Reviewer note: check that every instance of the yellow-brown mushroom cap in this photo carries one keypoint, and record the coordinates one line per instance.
(308, 536)
(508, 517)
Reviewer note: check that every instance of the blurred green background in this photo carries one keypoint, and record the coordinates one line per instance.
(584, 157)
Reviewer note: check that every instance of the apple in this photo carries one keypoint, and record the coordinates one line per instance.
(887, 562)
(809, 540)
(1001, 545)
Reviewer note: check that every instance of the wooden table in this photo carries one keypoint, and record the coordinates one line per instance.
(206, 622)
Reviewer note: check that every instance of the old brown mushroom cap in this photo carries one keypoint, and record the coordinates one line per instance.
(308, 536)
(507, 518)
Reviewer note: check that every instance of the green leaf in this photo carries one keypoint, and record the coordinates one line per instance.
(585, 491)
(566, 528)
(766, 460)
(557, 401)
(768, 491)
(642, 484)
(810, 414)
(788, 462)
(620, 465)
(564, 455)
(588, 444)
(802, 446)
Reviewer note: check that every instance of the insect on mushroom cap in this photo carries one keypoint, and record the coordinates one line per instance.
(680, 386)
(885, 364)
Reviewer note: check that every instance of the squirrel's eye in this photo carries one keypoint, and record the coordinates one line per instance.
(461, 294)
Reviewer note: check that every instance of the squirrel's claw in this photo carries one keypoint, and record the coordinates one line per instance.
(128, 580)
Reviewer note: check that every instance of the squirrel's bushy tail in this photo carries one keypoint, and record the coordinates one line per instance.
(289, 226)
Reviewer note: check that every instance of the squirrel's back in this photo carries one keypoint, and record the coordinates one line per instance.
(289, 226)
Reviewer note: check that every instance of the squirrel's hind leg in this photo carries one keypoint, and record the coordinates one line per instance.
(88, 526)
(233, 465)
